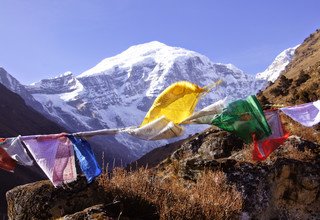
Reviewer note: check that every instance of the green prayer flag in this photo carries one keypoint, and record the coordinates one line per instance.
(244, 118)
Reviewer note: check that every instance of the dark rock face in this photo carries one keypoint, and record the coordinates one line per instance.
(97, 212)
(41, 200)
(286, 189)
(77, 200)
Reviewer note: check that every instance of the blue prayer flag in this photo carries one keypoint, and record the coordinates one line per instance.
(86, 158)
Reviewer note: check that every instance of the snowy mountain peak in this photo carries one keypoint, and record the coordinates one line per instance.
(278, 65)
(9, 81)
(234, 68)
(143, 54)
(66, 74)
(150, 46)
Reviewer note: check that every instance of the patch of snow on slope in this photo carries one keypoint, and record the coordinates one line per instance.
(77, 90)
(54, 103)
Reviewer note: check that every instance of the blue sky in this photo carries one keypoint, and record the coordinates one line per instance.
(41, 39)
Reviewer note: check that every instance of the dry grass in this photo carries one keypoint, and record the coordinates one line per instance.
(290, 150)
(307, 133)
(211, 197)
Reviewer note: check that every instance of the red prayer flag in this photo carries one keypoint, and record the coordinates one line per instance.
(6, 162)
(263, 148)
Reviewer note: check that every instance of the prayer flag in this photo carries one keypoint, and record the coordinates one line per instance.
(6, 162)
(160, 128)
(14, 147)
(205, 115)
(86, 158)
(176, 103)
(306, 114)
(54, 154)
(244, 118)
(263, 148)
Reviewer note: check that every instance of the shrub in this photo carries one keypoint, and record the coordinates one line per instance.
(303, 77)
(314, 86)
(283, 87)
(264, 102)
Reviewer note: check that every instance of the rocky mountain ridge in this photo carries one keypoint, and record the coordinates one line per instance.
(15, 86)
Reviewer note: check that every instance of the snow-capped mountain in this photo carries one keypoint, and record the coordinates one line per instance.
(119, 90)
(278, 65)
(15, 86)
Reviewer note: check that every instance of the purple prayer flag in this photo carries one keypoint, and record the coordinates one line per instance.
(306, 114)
(54, 154)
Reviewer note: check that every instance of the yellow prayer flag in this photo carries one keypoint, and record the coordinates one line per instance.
(176, 103)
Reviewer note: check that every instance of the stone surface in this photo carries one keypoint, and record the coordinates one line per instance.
(41, 200)
(77, 200)
(97, 212)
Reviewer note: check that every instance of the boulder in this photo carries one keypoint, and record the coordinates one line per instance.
(41, 200)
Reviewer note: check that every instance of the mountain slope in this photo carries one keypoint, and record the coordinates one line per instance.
(15, 86)
(299, 84)
(301, 79)
(119, 90)
(18, 118)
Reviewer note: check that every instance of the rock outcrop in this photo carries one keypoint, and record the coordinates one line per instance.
(285, 186)
(40, 200)
(77, 200)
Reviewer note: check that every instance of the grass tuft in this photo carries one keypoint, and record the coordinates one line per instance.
(210, 197)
